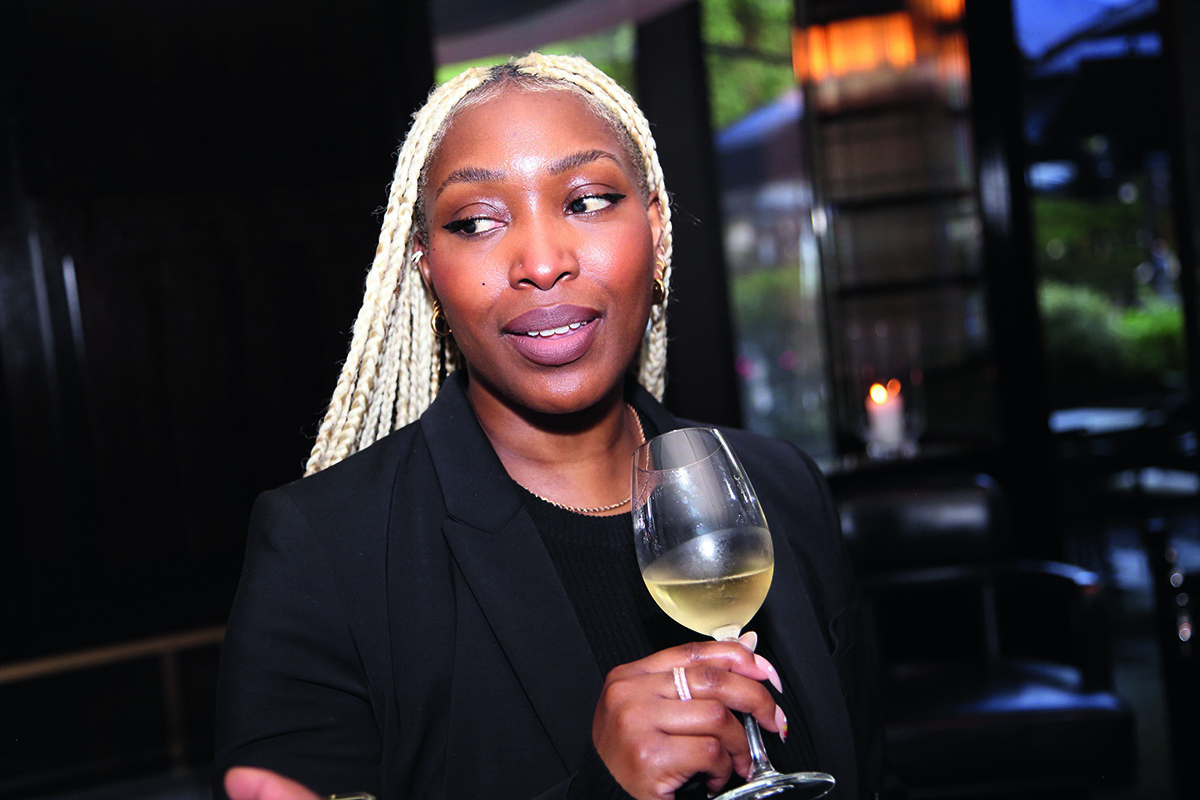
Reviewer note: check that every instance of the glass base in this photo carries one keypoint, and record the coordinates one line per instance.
(795, 786)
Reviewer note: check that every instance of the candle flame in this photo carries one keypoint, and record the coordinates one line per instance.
(880, 393)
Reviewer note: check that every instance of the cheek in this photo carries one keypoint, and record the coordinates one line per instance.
(460, 306)
(628, 258)
(465, 295)
(461, 283)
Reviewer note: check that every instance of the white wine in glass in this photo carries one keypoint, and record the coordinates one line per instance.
(714, 583)
(705, 553)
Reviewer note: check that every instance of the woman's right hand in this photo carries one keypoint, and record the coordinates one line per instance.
(653, 742)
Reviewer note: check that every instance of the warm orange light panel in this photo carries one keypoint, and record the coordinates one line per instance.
(941, 10)
(899, 42)
(858, 45)
(893, 387)
(954, 66)
(878, 393)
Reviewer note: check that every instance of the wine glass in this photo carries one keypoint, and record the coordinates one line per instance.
(706, 556)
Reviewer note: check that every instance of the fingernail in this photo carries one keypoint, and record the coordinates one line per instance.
(781, 721)
(749, 640)
(772, 675)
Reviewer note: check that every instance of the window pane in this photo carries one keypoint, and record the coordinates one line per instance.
(767, 207)
(1103, 223)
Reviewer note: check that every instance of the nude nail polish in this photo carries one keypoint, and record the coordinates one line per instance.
(772, 674)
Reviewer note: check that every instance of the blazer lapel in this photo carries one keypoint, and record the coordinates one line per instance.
(503, 560)
(790, 621)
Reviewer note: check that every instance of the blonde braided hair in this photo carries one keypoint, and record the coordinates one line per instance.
(396, 365)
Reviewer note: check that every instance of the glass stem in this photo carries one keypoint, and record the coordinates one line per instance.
(760, 766)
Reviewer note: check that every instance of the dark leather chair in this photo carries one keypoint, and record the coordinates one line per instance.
(995, 671)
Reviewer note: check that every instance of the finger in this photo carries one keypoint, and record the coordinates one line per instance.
(252, 783)
(731, 690)
(654, 764)
(728, 655)
(749, 640)
(707, 719)
(681, 757)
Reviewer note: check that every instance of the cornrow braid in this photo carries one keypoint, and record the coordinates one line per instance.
(396, 364)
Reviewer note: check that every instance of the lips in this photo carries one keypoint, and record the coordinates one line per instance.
(554, 336)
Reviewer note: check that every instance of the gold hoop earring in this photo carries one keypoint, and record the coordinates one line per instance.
(659, 294)
(438, 323)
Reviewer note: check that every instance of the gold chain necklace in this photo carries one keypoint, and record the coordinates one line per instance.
(594, 509)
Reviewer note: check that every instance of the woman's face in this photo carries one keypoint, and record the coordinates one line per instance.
(540, 248)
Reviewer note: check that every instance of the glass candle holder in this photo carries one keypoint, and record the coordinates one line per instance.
(887, 388)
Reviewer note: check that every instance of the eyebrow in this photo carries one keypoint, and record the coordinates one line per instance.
(564, 164)
(470, 175)
(580, 159)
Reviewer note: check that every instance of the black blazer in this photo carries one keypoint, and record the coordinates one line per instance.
(400, 628)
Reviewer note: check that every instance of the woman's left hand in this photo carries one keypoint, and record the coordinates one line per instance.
(251, 783)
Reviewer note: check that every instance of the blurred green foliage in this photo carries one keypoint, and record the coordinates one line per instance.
(761, 297)
(748, 51)
(1097, 351)
(1092, 241)
(1082, 343)
(1152, 339)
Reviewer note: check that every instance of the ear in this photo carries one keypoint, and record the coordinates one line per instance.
(423, 264)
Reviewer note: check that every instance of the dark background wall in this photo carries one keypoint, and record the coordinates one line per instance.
(187, 210)
(188, 197)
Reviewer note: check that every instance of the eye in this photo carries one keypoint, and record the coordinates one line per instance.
(472, 225)
(594, 202)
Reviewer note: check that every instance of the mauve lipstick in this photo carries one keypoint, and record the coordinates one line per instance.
(549, 318)
(571, 329)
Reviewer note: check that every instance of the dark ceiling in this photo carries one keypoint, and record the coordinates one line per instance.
(455, 17)
(469, 29)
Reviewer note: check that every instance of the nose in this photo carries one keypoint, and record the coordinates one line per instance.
(544, 254)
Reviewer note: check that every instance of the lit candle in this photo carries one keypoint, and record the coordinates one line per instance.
(885, 414)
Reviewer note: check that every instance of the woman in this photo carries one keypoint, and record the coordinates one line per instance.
(453, 609)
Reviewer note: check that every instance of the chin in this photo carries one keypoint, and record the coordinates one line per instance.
(568, 393)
